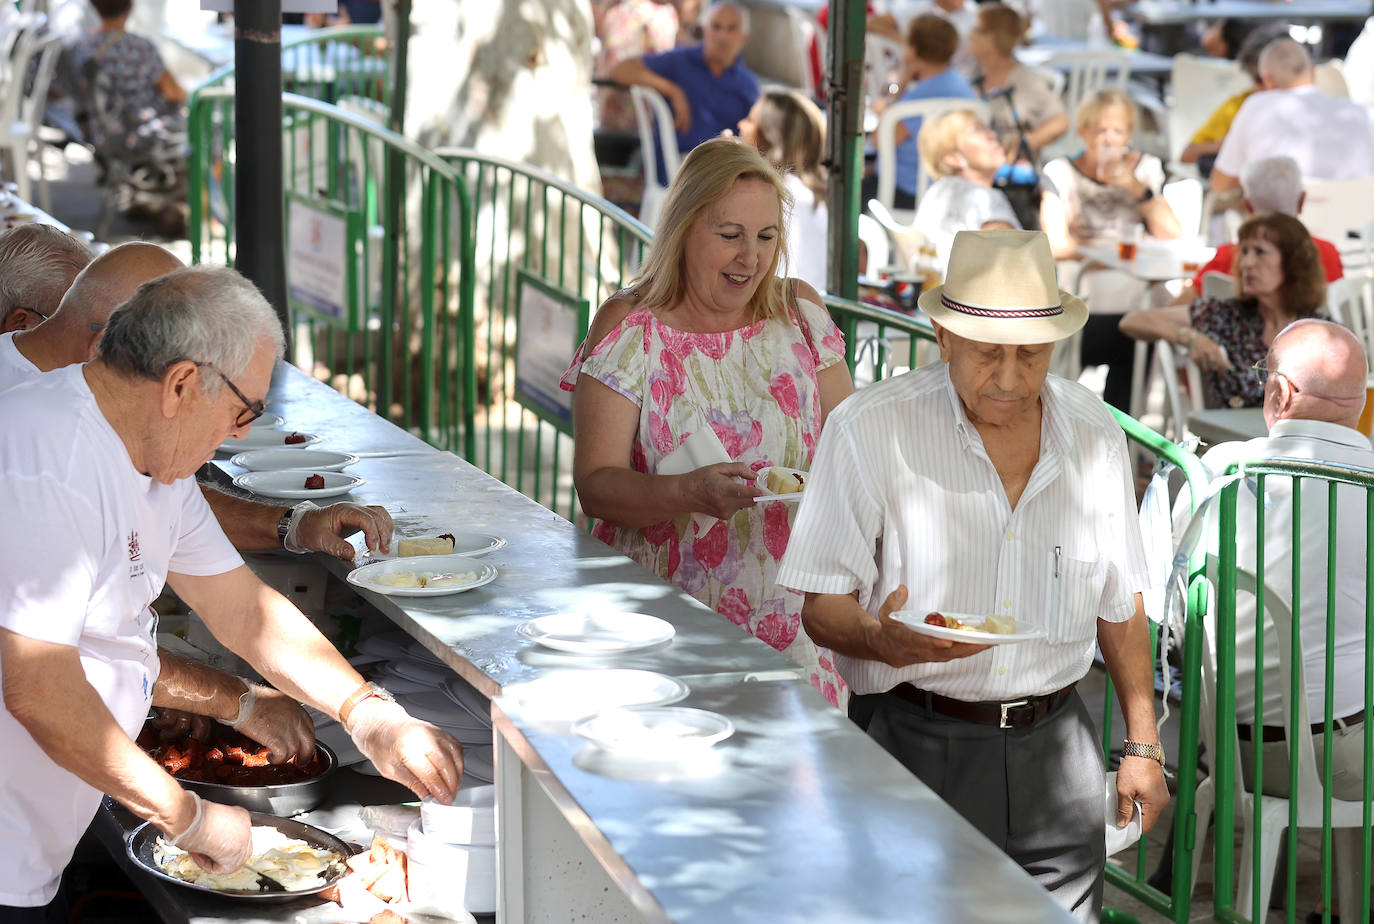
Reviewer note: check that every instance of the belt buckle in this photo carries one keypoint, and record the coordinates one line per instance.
(1007, 706)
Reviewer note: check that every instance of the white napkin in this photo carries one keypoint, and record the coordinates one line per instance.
(1118, 839)
(700, 448)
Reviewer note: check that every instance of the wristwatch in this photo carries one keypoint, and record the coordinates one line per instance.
(284, 525)
(1136, 749)
(364, 692)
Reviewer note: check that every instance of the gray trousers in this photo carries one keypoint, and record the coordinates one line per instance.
(1035, 792)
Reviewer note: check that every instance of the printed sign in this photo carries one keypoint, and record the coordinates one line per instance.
(551, 323)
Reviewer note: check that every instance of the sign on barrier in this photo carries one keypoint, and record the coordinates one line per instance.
(321, 278)
(551, 324)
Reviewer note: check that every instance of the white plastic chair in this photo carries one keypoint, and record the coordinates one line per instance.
(875, 239)
(652, 111)
(1089, 71)
(1218, 285)
(907, 240)
(1330, 79)
(21, 111)
(1199, 85)
(1333, 208)
(1185, 198)
(1177, 405)
(882, 64)
(1350, 301)
(887, 144)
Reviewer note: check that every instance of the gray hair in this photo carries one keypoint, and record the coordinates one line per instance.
(1272, 184)
(37, 264)
(1285, 63)
(716, 4)
(205, 314)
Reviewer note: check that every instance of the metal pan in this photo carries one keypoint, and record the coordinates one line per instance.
(284, 800)
(143, 839)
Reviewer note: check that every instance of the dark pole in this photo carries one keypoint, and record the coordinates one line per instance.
(845, 106)
(258, 198)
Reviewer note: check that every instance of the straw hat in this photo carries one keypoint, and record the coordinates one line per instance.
(1000, 288)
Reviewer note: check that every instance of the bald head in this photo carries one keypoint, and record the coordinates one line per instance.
(1284, 64)
(108, 282)
(1326, 369)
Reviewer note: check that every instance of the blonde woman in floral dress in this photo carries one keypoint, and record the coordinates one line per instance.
(708, 336)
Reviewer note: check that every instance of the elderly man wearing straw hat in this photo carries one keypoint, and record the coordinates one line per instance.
(982, 485)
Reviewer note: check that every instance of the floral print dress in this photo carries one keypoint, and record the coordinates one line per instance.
(756, 388)
(1236, 326)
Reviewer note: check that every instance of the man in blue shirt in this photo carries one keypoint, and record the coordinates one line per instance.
(706, 85)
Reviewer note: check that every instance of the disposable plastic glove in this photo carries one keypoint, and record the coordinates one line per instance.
(276, 721)
(174, 725)
(419, 756)
(219, 837)
(321, 529)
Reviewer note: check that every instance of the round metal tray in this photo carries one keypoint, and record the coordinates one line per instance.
(283, 800)
(143, 839)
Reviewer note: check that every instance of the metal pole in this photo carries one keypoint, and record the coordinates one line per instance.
(258, 196)
(845, 106)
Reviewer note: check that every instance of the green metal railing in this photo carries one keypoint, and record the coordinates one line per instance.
(531, 225)
(879, 342)
(328, 65)
(1336, 492)
(402, 343)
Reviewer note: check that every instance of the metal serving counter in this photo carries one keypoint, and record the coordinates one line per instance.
(796, 817)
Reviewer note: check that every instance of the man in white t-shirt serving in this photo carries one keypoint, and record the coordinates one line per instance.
(101, 510)
(981, 485)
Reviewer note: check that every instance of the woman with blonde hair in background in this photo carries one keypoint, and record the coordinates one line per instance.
(789, 130)
(706, 371)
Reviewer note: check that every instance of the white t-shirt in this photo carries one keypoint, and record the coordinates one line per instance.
(952, 204)
(87, 548)
(1326, 442)
(14, 366)
(1359, 67)
(902, 492)
(807, 251)
(1329, 137)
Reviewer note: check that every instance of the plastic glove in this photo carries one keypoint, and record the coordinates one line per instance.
(276, 721)
(419, 756)
(174, 725)
(321, 529)
(219, 837)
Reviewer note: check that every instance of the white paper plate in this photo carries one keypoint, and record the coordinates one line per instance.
(916, 621)
(265, 439)
(761, 482)
(275, 460)
(457, 564)
(654, 732)
(469, 697)
(568, 695)
(473, 545)
(290, 484)
(602, 633)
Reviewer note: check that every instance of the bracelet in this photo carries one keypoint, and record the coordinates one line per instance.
(1131, 748)
(1186, 338)
(358, 696)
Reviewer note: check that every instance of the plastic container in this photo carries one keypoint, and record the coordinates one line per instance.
(444, 875)
(471, 819)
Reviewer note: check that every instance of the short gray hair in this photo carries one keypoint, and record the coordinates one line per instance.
(205, 314)
(37, 264)
(741, 8)
(1272, 184)
(1285, 63)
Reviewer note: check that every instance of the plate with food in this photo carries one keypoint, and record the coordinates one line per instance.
(298, 484)
(275, 460)
(290, 859)
(781, 484)
(423, 576)
(458, 542)
(268, 438)
(597, 633)
(658, 732)
(967, 627)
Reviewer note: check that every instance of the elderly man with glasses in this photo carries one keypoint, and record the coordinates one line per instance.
(96, 462)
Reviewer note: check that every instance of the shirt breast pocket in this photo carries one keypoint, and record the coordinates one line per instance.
(1075, 598)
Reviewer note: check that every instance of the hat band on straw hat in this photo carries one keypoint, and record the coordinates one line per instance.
(978, 311)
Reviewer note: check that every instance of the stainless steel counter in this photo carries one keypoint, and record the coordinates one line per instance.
(797, 817)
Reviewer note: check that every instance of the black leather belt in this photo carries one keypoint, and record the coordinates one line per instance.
(1271, 733)
(1017, 713)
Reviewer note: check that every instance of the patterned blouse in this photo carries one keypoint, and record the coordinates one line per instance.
(1236, 326)
(756, 388)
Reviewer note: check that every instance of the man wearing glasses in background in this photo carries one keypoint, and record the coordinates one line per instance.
(1314, 391)
(100, 510)
(37, 264)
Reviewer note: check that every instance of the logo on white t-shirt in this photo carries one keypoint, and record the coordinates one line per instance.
(135, 556)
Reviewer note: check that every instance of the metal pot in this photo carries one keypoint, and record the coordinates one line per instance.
(281, 800)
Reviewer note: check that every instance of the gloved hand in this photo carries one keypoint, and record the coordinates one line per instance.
(219, 837)
(419, 756)
(276, 721)
(321, 529)
(174, 725)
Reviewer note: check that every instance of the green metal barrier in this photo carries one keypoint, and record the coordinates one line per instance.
(879, 342)
(327, 64)
(402, 344)
(535, 230)
(1297, 484)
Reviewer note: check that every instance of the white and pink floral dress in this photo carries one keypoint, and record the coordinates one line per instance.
(756, 388)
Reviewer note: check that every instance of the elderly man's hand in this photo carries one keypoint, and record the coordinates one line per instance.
(682, 108)
(278, 722)
(717, 489)
(419, 756)
(218, 838)
(322, 529)
(1140, 779)
(899, 646)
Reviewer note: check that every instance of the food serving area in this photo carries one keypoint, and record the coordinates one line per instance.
(797, 815)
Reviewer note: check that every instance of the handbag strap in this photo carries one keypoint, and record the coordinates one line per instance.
(795, 309)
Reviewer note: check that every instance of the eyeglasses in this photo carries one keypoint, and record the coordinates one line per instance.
(1262, 372)
(32, 311)
(252, 410)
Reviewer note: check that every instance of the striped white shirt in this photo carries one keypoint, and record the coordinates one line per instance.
(902, 492)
